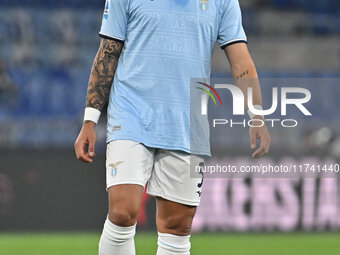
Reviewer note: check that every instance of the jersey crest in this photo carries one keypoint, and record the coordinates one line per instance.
(204, 4)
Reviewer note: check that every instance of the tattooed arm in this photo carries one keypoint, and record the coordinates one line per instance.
(245, 76)
(102, 73)
(98, 91)
(244, 71)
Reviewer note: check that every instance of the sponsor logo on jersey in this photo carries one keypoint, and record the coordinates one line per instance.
(204, 4)
(114, 167)
(107, 9)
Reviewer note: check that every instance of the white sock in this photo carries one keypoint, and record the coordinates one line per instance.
(173, 245)
(116, 240)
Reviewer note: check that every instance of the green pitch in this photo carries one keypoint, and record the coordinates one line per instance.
(202, 244)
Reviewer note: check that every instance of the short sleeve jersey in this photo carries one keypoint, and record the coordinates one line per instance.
(166, 43)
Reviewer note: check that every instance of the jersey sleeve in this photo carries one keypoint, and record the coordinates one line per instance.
(115, 18)
(231, 30)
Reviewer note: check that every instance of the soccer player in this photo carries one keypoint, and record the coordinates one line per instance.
(148, 52)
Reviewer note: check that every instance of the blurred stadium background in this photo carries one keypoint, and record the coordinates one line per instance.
(46, 51)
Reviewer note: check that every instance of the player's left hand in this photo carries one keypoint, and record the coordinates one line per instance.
(264, 136)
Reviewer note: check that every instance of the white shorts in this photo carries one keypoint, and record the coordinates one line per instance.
(166, 172)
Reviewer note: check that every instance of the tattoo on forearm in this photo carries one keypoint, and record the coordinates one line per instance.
(102, 73)
(242, 75)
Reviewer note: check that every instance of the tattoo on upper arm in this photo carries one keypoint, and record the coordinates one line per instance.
(242, 75)
(102, 73)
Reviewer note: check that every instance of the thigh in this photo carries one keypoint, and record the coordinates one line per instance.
(174, 179)
(128, 167)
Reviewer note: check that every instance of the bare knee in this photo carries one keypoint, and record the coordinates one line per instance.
(174, 218)
(122, 217)
(124, 204)
(176, 225)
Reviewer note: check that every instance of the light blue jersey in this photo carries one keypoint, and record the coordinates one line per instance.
(166, 42)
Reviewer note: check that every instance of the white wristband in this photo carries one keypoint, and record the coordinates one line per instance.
(91, 114)
(256, 107)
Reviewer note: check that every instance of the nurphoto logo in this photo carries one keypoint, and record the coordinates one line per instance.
(239, 104)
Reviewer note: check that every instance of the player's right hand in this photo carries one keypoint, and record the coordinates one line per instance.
(84, 145)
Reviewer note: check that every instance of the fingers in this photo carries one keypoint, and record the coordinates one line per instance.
(85, 143)
(91, 146)
(268, 145)
(80, 148)
(264, 146)
(85, 149)
(252, 140)
(261, 150)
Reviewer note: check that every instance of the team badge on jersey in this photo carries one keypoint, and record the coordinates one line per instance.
(107, 9)
(204, 4)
